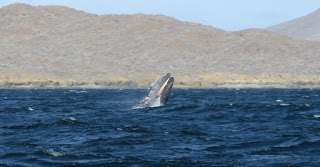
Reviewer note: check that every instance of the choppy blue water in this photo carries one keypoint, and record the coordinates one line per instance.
(209, 127)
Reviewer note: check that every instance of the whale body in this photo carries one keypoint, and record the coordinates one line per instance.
(158, 93)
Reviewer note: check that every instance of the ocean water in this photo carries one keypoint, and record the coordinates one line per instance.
(198, 127)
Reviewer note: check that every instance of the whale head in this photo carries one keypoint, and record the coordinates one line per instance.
(158, 93)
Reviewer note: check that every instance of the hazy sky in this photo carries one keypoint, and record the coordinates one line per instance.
(229, 15)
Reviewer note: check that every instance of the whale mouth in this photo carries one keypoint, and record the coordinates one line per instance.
(165, 89)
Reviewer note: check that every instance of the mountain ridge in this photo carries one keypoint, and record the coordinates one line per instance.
(306, 27)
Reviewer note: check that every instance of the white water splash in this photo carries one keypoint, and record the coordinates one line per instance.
(54, 153)
(156, 103)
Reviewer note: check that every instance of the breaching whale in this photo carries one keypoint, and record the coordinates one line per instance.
(158, 93)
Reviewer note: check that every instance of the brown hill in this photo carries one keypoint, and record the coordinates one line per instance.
(306, 27)
(54, 46)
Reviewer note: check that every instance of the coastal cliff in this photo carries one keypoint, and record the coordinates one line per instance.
(59, 47)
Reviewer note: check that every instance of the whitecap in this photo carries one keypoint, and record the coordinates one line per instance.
(30, 109)
(72, 119)
(279, 100)
(5, 98)
(54, 153)
(307, 105)
(82, 91)
(316, 116)
(119, 129)
(283, 104)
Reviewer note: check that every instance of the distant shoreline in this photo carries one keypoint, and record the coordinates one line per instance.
(205, 81)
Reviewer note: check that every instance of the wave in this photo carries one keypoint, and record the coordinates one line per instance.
(193, 132)
(28, 126)
(195, 128)
(137, 129)
(54, 153)
(292, 145)
(70, 121)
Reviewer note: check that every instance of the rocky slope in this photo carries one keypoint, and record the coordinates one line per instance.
(55, 46)
(306, 27)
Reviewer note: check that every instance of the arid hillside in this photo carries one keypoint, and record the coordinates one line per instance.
(55, 46)
(306, 27)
